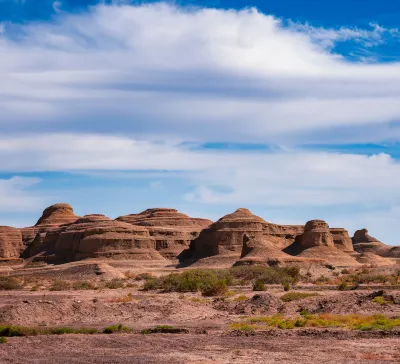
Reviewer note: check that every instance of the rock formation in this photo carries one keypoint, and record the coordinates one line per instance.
(255, 251)
(52, 217)
(316, 233)
(10, 242)
(171, 230)
(341, 239)
(365, 243)
(96, 236)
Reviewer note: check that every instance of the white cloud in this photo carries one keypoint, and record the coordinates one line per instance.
(330, 37)
(15, 194)
(193, 74)
(280, 178)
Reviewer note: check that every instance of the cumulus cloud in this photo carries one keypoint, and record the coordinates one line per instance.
(195, 74)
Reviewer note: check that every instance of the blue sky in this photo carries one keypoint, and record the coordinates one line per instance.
(290, 108)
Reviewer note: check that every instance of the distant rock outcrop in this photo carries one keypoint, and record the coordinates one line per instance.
(330, 254)
(10, 242)
(365, 243)
(316, 233)
(171, 230)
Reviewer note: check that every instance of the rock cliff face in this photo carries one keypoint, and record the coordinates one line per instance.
(10, 242)
(341, 239)
(171, 230)
(316, 233)
(96, 236)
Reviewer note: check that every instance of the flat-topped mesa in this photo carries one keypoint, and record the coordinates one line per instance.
(11, 244)
(341, 239)
(95, 236)
(173, 231)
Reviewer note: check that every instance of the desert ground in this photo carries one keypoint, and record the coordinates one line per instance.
(97, 294)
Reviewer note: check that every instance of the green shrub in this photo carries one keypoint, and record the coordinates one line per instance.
(116, 329)
(208, 282)
(164, 329)
(69, 330)
(286, 286)
(380, 300)
(9, 284)
(258, 285)
(144, 276)
(10, 331)
(59, 285)
(3, 340)
(295, 296)
(114, 284)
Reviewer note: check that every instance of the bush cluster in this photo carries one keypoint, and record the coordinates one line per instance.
(9, 283)
(353, 322)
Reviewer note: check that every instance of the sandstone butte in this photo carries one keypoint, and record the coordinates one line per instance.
(162, 234)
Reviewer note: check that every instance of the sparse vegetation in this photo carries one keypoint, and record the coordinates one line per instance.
(258, 285)
(164, 329)
(380, 300)
(242, 297)
(286, 286)
(354, 322)
(69, 330)
(3, 340)
(114, 284)
(83, 285)
(10, 331)
(243, 327)
(269, 275)
(208, 282)
(119, 328)
(60, 285)
(9, 284)
(295, 296)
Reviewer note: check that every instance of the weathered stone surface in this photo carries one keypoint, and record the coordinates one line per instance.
(96, 236)
(316, 233)
(172, 230)
(10, 242)
(341, 239)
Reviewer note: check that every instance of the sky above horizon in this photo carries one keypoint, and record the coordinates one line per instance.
(288, 108)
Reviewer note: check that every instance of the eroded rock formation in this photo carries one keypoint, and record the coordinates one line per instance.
(171, 230)
(341, 239)
(10, 242)
(365, 243)
(96, 236)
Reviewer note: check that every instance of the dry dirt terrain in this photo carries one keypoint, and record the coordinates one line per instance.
(197, 349)
(209, 336)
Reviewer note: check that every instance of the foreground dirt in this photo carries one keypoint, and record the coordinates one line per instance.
(196, 349)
